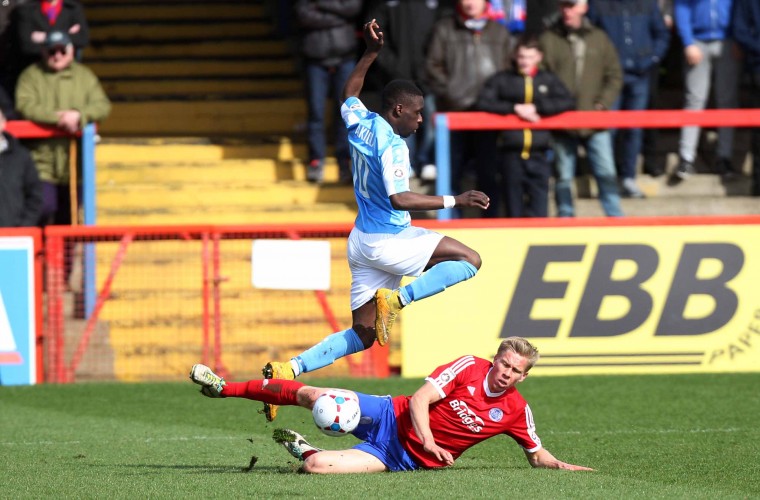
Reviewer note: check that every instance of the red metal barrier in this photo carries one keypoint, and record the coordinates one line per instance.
(23, 129)
(203, 269)
(671, 118)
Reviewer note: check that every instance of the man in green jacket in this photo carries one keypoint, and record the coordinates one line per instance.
(61, 92)
(583, 57)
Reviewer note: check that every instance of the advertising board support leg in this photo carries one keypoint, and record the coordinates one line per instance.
(206, 322)
(218, 366)
(443, 161)
(88, 204)
(54, 285)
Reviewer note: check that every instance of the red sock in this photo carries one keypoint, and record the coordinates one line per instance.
(274, 391)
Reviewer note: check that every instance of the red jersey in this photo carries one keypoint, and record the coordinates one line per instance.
(468, 413)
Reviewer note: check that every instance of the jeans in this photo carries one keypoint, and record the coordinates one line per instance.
(599, 151)
(719, 63)
(323, 82)
(635, 97)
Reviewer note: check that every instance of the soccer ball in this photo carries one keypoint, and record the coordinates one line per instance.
(336, 412)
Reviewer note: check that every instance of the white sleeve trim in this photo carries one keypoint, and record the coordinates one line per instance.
(450, 373)
(437, 387)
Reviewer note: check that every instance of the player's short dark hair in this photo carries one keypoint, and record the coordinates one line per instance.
(528, 41)
(399, 92)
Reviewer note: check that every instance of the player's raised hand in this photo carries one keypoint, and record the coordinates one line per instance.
(473, 198)
(373, 36)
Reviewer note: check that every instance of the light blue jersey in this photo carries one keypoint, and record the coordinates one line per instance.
(381, 168)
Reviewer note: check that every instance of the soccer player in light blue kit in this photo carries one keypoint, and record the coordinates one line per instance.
(383, 246)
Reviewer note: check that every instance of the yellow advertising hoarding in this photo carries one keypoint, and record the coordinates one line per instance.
(629, 298)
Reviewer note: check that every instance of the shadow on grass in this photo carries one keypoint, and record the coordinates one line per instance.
(290, 468)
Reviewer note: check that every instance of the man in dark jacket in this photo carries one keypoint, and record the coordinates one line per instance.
(746, 31)
(20, 188)
(638, 31)
(583, 57)
(328, 46)
(530, 93)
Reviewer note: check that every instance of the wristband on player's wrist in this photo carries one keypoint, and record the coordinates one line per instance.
(449, 201)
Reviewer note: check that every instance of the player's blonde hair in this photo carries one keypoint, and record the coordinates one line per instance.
(521, 346)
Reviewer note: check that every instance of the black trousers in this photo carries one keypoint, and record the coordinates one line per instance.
(525, 183)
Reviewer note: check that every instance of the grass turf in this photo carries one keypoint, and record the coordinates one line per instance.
(675, 436)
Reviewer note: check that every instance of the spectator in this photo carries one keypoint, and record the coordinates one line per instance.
(407, 27)
(653, 165)
(583, 57)
(33, 20)
(746, 31)
(460, 404)
(638, 31)
(466, 49)
(703, 26)
(529, 93)
(329, 46)
(58, 91)
(20, 189)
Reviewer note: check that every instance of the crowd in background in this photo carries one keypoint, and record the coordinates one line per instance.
(608, 54)
(465, 55)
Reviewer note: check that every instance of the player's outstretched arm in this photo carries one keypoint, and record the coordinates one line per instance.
(411, 201)
(543, 459)
(373, 37)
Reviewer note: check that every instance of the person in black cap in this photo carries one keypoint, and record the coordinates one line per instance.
(61, 92)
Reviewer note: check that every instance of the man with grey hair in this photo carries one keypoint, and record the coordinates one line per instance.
(583, 57)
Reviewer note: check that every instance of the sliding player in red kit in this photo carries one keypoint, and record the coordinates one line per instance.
(460, 404)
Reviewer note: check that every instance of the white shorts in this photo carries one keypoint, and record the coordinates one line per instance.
(380, 260)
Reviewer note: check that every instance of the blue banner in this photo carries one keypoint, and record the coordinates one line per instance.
(17, 314)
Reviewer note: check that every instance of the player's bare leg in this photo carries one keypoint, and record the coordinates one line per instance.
(451, 263)
(450, 249)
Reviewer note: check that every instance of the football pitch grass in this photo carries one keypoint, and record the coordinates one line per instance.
(658, 436)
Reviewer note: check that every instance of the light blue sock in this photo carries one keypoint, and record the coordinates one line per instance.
(333, 347)
(436, 279)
